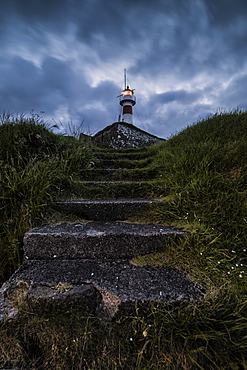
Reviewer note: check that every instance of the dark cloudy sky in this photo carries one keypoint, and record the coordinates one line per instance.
(186, 59)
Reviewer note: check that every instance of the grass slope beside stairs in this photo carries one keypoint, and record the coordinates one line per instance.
(202, 174)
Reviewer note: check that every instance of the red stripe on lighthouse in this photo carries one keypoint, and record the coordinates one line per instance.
(127, 109)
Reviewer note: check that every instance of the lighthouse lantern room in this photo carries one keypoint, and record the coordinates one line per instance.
(127, 100)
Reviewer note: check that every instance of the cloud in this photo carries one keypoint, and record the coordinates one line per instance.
(185, 58)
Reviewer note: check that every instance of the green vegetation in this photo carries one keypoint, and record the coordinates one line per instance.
(202, 175)
(34, 164)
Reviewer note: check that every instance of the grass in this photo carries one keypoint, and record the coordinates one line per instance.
(202, 175)
(34, 164)
(208, 335)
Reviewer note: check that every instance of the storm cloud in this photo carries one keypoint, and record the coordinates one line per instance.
(186, 59)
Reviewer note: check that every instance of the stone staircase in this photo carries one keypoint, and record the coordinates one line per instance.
(88, 264)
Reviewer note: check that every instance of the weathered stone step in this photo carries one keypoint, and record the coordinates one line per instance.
(105, 209)
(135, 155)
(96, 240)
(108, 287)
(98, 149)
(105, 182)
(111, 174)
(117, 189)
(121, 163)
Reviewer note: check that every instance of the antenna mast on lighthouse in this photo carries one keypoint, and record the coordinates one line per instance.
(127, 100)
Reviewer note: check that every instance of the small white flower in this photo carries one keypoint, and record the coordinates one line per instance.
(240, 275)
(233, 251)
(131, 339)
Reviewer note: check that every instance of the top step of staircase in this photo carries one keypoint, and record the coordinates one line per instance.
(120, 154)
(122, 150)
(121, 163)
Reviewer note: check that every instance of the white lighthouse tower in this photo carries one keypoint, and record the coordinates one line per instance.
(127, 100)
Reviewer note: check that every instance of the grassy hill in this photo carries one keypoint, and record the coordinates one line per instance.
(34, 165)
(203, 170)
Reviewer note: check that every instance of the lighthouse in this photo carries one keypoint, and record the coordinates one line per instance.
(127, 100)
(123, 134)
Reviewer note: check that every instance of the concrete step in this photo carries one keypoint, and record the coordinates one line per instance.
(133, 155)
(96, 240)
(115, 189)
(98, 149)
(107, 182)
(109, 286)
(105, 209)
(113, 174)
(121, 163)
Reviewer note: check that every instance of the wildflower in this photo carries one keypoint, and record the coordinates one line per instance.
(131, 339)
(145, 333)
(240, 275)
(233, 251)
(201, 253)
